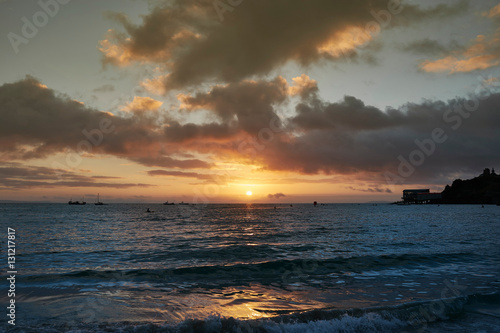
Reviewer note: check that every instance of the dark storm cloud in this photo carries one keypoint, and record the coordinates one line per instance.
(250, 103)
(350, 137)
(344, 138)
(35, 115)
(352, 113)
(256, 37)
(38, 122)
(176, 132)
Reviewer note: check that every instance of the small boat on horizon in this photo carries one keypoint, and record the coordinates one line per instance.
(169, 203)
(98, 202)
(71, 202)
(183, 203)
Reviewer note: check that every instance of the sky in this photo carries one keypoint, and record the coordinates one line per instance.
(213, 100)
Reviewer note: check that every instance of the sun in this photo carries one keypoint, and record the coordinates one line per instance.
(249, 192)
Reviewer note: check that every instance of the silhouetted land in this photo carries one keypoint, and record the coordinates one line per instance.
(484, 189)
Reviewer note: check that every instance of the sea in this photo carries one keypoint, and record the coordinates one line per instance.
(250, 268)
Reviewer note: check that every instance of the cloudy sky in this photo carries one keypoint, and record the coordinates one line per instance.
(204, 101)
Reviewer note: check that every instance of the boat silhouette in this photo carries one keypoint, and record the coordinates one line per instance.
(99, 203)
(71, 202)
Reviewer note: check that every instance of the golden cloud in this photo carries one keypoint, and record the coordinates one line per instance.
(483, 54)
(345, 42)
(493, 12)
(143, 104)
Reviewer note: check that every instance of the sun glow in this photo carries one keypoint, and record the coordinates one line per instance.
(249, 192)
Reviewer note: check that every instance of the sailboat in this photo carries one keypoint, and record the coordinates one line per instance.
(98, 203)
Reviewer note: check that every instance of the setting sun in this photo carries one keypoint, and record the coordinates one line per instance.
(249, 192)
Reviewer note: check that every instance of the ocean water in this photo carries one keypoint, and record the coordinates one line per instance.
(253, 268)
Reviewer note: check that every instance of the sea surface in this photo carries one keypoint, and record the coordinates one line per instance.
(253, 268)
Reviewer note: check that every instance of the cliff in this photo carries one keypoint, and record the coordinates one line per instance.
(484, 189)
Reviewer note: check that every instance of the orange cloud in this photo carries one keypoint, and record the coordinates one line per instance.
(43, 86)
(494, 12)
(491, 80)
(155, 85)
(143, 104)
(185, 38)
(303, 85)
(345, 42)
(455, 65)
(346, 137)
(483, 54)
(117, 54)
